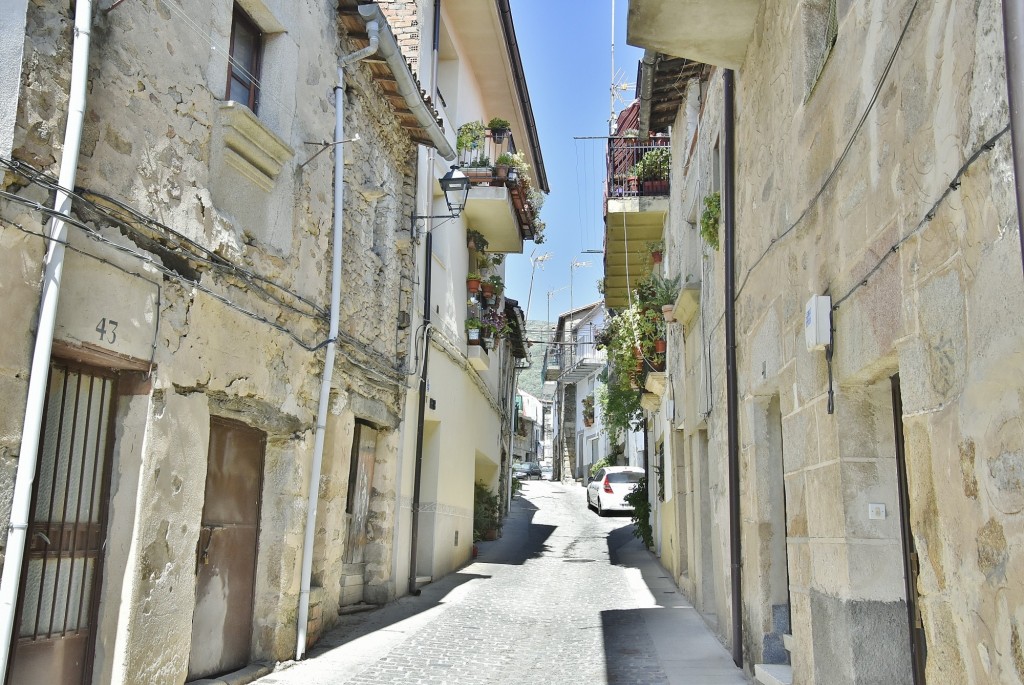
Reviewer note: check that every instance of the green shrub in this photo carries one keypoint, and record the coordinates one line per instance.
(641, 513)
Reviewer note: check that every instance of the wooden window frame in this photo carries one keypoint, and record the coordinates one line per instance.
(239, 17)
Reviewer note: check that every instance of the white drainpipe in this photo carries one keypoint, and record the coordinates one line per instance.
(40, 371)
(373, 30)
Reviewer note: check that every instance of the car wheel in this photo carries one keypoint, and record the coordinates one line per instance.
(600, 511)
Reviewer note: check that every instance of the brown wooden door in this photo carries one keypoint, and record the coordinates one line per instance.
(364, 456)
(226, 551)
(60, 579)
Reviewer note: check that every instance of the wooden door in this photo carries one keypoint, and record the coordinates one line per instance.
(226, 552)
(62, 570)
(360, 482)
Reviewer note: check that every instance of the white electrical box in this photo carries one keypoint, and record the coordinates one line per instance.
(818, 322)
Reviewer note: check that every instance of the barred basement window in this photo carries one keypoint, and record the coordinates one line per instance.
(246, 52)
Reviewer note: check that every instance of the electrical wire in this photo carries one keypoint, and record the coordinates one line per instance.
(155, 264)
(172, 239)
(68, 246)
(929, 215)
(842, 157)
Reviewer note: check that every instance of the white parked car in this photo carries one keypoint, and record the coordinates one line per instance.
(609, 486)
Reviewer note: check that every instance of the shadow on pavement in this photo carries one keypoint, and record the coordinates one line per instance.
(521, 539)
(616, 540)
(629, 655)
(354, 626)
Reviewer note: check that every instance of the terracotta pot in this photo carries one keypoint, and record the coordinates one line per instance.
(668, 310)
(660, 345)
(488, 288)
(491, 534)
(500, 175)
(656, 257)
(473, 284)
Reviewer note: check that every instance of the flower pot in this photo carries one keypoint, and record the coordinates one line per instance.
(660, 345)
(473, 284)
(638, 354)
(658, 187)
(669, 312)
(473, 336)
(500, 175)
(632, 185)
(488, 289)
(491, 534)
(656, 257)
(489, 342)
(498, 135)
(588, 422)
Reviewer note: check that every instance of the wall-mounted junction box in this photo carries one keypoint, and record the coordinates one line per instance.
(818, 322)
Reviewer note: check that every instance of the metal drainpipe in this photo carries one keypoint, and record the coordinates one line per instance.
(1013, 38)
(428, 251)
(372, 29)
(732, 392)
(421, 410)
(28, 455)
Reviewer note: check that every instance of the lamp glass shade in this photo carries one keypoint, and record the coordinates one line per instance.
(455, 185)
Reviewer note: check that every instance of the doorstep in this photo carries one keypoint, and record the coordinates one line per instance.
(773, 674)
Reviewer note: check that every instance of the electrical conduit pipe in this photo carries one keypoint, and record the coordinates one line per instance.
(373, 30)
(53, 268)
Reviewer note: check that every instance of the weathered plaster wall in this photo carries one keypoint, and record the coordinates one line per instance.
(151, 141)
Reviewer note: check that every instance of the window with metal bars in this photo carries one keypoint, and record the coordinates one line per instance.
(246, 50)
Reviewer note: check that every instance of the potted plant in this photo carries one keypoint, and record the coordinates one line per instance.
(657, 249)
(488, 288)
(499, 129)
(476, 239)
(659, 346)
(588, 411)
(473, 326)
(497, 284)
(479, 170)
(709, 219)
(473, 281)
(652, 170)
(486, 522)
(665, 292)
(502, 166)
(470, 137)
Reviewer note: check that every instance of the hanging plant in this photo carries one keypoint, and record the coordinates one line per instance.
(709, 220)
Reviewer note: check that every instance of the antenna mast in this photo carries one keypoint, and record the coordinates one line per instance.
(611, 101)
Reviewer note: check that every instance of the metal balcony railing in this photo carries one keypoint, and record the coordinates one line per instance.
(478, 163)
(637, 170)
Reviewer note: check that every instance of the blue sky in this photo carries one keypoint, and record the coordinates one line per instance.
(565, 47)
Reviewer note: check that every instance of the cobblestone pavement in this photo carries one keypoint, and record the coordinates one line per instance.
(564, 597)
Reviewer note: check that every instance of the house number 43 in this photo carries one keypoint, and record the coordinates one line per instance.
(107, 328)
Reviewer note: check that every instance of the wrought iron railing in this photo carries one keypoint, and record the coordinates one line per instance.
(637, 170)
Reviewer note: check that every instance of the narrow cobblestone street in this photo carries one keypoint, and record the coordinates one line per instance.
(564, 597)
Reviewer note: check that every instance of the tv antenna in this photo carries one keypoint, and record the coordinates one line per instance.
(618, 83)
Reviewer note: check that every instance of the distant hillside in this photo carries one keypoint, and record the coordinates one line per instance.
(530, 380)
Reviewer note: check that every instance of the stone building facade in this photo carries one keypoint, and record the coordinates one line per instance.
(196, 293)
(878, 479)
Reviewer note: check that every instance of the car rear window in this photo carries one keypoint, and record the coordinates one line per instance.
(625, 477)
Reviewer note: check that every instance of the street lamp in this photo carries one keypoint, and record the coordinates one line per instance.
(455, 185)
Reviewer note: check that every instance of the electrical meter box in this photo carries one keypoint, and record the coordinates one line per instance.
(818, 322)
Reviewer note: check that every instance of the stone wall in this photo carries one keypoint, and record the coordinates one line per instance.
(916, 271)
(238, 344)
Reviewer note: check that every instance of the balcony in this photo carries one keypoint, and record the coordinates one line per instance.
(581, 359)
(499, 202)
(636, 202)
(710, 31)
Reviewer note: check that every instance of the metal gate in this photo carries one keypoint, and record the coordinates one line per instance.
(60, 579)
(226, 551)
